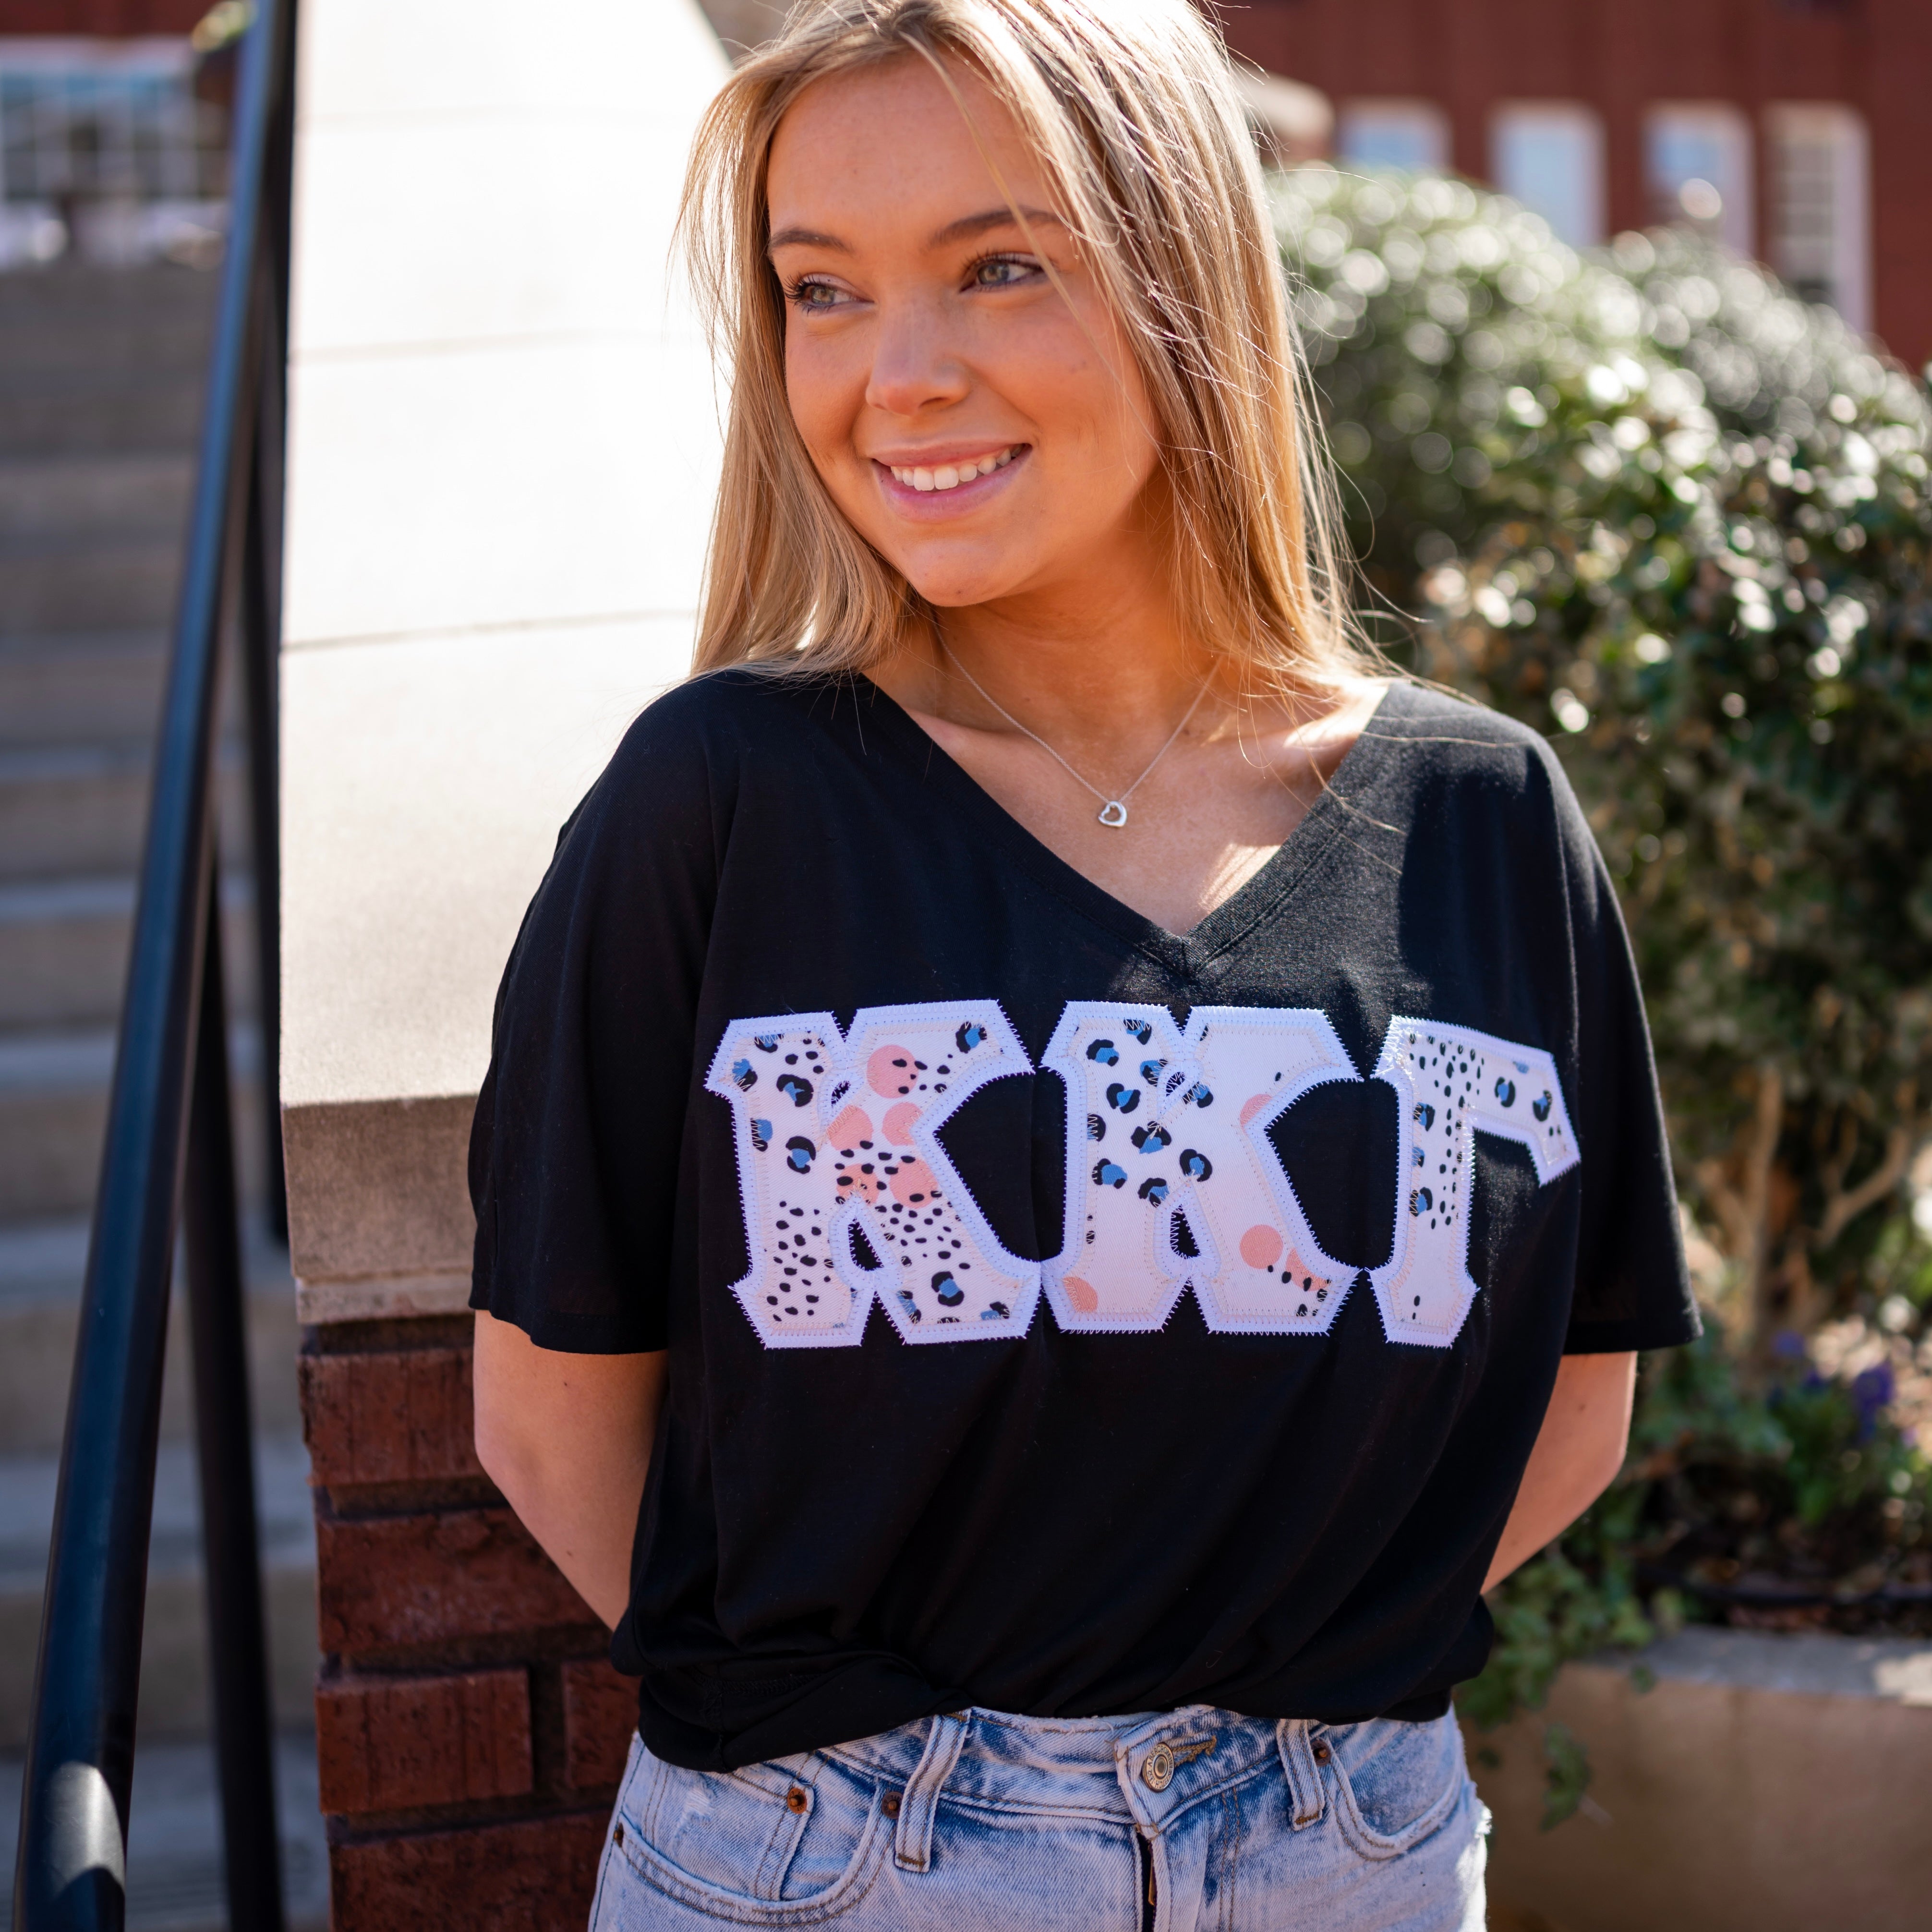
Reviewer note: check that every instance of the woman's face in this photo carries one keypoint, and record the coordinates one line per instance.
(988, 433)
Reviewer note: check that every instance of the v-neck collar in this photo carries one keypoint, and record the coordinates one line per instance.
(1185, 955)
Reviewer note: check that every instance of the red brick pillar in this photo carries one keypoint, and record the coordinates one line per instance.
(470, 1732)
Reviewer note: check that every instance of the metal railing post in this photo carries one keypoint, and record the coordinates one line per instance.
(71, 1875)
(224, 1440)
(260, 639)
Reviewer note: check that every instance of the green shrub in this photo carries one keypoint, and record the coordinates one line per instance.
(1658, 508)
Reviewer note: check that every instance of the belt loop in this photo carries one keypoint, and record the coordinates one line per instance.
(1306, 1796)
(912, 1847)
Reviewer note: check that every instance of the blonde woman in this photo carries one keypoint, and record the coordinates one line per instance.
(1068, 1171)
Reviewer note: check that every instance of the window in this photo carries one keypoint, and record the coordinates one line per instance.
(1697, 165)
(1411, 135)
(1548, 155)
(1818, 228)
(108, 138)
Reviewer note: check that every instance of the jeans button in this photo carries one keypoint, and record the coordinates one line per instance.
(1157, 1769)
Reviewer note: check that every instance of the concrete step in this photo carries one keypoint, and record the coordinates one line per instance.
(174, 1700)
(165, 337)
(42, 1264)
(175, 1882)
(70, 688)
(81, 809)
(64, 949)
(144, 494)
(82, 290)
(84, 582)
(53, 1111)
(48, 412)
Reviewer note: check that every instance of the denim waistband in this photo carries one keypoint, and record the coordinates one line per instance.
(1148, 1767)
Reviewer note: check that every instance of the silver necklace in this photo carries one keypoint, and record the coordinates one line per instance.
(1113, 811)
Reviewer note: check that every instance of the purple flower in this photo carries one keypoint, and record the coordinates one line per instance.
(1873, 1389)
(1788, 1344)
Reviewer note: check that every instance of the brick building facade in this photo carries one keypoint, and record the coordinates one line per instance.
(1809, 112)
(114, 19)
(1777, 92)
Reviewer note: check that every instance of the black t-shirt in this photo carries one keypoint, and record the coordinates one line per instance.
(1066, 1317)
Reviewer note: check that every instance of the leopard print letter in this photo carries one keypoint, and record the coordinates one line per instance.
(839, 1137)
(1174, 1182)
(1448, 1080)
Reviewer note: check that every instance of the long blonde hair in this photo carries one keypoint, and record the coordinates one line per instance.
(1131, 107)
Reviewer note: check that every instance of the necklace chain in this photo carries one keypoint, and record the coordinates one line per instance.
(1113, 811)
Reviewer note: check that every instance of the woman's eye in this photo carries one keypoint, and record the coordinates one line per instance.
(1003, 272)
(816, 295)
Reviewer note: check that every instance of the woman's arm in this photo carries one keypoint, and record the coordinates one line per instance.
(1578, 1451)
(567, 1438)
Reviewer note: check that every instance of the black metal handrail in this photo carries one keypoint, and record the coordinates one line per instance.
(170, 1150)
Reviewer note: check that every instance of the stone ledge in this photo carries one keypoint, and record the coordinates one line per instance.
(1764, 1782)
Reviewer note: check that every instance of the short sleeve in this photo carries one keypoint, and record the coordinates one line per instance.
(575, 1147)
(1632, 1289)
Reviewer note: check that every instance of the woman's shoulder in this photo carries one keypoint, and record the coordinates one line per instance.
(1446, 735)
(700, 733)
(738, 702)
(1447, 765)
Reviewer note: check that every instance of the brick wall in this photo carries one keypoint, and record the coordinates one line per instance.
(470, 1733)
(1468, 55)
(111, 17)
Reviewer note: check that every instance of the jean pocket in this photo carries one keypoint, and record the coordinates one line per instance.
(1395, 1782)
(788, 1843)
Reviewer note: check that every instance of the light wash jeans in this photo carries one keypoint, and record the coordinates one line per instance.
(981, 1822)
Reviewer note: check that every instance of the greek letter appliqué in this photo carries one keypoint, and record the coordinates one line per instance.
(1173, 1184)
(837, 1135)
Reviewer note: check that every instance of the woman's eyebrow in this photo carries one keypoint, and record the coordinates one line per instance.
(967, 226)
(970, 225)
(806, 238)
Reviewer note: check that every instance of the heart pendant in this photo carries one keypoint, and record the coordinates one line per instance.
(1113, 813)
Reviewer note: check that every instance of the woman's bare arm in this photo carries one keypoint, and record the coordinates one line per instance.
(1578, 1451)
(567, 1438)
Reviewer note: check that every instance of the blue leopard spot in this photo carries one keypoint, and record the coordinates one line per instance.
(969, 1036)
(761, 1135)
(1200, 1095)
(1152, 1137)
(1506, 1092)
(1540, 1106)
(799, 1152)
(1096, 1128)
(1108, 1174)
(796, 1087)
(911, 1306)
(744, 1076)
(950, 1294)
(1153, 1189)
(1425, 1115)
(1123, 1100)
(1106, 1052)
(1150, 1071)
(1196, 1165)
(1420, 1202)
(995, 1311)
(1141, 1031)
(767, 1042)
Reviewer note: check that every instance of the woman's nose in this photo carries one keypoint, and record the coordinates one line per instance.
(915, 365)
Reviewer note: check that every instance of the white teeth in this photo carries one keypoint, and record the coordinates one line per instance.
(950, 476)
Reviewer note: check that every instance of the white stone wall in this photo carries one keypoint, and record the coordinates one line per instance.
(504, 449)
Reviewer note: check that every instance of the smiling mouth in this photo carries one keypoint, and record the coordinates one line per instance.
(950, 476)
